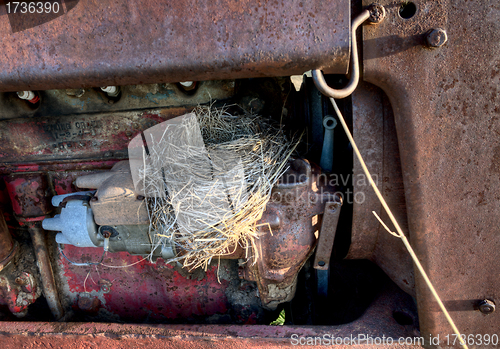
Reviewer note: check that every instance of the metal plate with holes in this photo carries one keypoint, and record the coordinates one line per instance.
(446, 110)
(327, 235)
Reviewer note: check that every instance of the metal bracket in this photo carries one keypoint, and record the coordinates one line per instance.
(327, 235)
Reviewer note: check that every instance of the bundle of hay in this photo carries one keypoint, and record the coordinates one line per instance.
(208, 179)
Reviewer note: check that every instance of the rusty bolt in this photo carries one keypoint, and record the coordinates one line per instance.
(106, 233)
(436, 38)
(377, 13)
(75, 92)
(88, 303)
(486, 306)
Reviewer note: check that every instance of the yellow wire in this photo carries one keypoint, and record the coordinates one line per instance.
(396, 225)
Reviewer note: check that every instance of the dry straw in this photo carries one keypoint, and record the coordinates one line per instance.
(207, 199)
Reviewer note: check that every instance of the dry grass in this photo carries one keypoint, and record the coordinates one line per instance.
(207, 198)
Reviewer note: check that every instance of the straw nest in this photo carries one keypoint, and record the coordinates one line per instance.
(207, 199)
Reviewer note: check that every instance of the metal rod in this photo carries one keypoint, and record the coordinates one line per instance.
(319, 79)
(45, 268)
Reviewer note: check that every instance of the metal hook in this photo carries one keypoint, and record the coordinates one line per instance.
(319, 79)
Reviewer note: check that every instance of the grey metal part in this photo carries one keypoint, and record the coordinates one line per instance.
(134, 239)
(75, 223)
(326, 161)
(167, 251)
(56, 200)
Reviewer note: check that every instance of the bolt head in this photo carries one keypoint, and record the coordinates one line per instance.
(486, 306)
(88, 303)
(436, 38)
(377, 13)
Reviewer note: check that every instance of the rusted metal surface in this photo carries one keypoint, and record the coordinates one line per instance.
(22, 21)
(17, 291)
(375, 134)
(29, 194)
(30, 197)
(327, 235)
(44, 266)
(98, 43)
(156, 292)
(6, 243)
(57, 169)
(133, 97)
(86, 136)
(445, 103)
(18, 286)
(377, 321)
(288, 225)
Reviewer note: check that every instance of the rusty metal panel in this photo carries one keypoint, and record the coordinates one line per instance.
(100, 43)
(132, 97)
(377, 321)
(447, 116)
(131, 289)
(86, 136)
(29, 195)
(375, 134)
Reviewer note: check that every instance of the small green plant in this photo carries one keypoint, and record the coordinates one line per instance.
(280, 321)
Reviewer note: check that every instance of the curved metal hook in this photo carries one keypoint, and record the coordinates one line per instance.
(319, 79)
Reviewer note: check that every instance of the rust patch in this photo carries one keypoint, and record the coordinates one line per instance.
(137, 42)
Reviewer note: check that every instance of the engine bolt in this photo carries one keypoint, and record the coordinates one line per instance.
(88, 303)
(436, 38)
(486, 306)
(377, 13)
